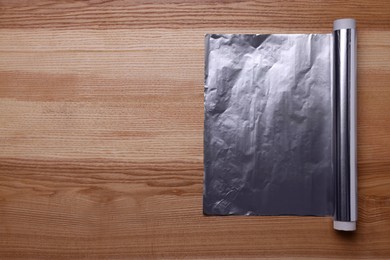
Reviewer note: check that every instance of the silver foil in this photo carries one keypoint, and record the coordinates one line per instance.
(344, 100)
(268, 137)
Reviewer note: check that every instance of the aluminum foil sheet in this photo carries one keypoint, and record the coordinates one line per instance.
(273, 116)
(268, 128)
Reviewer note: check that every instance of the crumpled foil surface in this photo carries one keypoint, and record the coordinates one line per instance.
(268, 125)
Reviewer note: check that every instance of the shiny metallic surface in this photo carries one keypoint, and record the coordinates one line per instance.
(345, 176)
(268, 125)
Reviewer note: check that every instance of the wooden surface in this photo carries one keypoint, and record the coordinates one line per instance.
(101, 130)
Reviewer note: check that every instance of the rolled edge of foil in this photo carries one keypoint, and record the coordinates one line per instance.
(344, 59)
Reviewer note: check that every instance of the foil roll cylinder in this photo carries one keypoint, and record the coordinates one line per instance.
(344, 94)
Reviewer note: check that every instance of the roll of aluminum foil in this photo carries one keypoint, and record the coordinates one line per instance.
(344, 89)
(280, 124)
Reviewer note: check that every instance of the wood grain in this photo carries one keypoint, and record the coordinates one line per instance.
(101, 131)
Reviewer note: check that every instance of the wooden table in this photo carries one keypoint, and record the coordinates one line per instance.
(101, 130)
